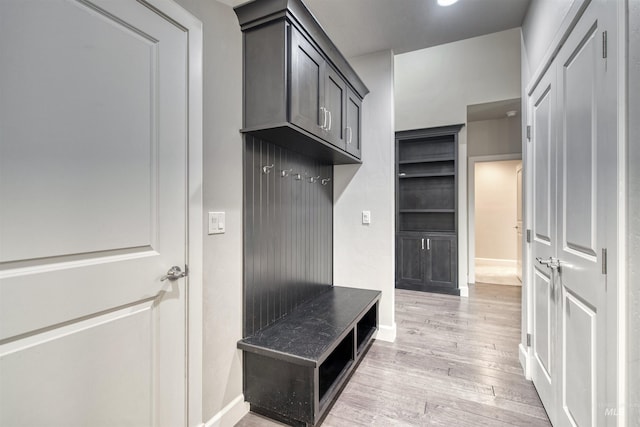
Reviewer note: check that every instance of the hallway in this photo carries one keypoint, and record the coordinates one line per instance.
(454, 363)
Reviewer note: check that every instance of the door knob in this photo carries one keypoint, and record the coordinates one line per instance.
(174, 273)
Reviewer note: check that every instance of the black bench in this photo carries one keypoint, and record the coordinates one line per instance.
(294, 368)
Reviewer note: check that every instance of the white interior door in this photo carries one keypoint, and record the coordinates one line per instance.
(585, 218)
(577, 163)
(544, 366)
(93, 111)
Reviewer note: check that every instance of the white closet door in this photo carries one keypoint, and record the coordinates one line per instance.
(587, 148)
(574, 324)
(93, 111)
(544, 367)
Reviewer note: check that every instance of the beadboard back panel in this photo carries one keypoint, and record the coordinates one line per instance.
(288, 231)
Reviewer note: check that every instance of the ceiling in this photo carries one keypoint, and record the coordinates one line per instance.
(364, 26)
(492, 110)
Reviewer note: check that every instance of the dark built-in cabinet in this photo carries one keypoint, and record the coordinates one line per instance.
(302, 113)
(426, 210)
(300, 92)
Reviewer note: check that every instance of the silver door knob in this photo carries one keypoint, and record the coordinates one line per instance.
(174, 273)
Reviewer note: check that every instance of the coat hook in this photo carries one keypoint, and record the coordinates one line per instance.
(267, 169)
(325, 181)
(285, 172)
(298, 177)
(313, 179)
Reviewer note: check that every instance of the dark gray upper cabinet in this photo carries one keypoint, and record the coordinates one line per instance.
(353, 120)
(299, 91)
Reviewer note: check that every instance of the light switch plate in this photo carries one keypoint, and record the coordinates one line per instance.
(366, 217)
(216, 222)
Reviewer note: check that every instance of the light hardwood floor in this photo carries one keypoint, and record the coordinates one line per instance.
(454, 363)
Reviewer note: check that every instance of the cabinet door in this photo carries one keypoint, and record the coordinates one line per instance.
(410, 260)
(335, 95)
(441, 261)
(353, 120)
(307, 85)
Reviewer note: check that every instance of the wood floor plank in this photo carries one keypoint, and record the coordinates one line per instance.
(454, 363)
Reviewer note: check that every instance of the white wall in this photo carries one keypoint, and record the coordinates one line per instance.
(493, 137)
(540, 27)
(222, 187)
(495, 210)
(633, 216)
(434, 86)
(364, 255)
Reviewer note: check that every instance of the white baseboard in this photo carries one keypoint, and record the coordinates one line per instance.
(230, 414)
(386, 333)
(523, 354)
(497, 262)
(464, 291)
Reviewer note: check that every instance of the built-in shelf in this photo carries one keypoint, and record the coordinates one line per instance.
(427, 160)
(425, 175)
(427, 210)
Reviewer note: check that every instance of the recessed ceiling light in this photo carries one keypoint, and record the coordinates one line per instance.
(446, 2)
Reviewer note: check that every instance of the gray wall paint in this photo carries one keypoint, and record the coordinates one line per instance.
(364, 255)
(222, 188)
(434, 86)
(288, 232)
(633, 215)
(494, 137)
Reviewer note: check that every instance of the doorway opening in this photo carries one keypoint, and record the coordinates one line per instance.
(498, 222)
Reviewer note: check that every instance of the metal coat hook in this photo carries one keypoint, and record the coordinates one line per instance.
(285, 172)
(298, 177)
(325, 181)
(313, 179)
(267, 169)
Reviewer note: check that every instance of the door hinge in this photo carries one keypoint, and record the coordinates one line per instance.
(604, 261)
(528, 340)
(528, 132)
(528, 236)
(604, 44)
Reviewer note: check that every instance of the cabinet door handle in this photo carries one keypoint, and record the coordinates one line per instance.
(423, 244)
(324, 122)
(428, 244)
(350, 134)
(329, 128)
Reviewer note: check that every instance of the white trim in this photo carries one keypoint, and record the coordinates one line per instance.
(464, 292)
(386, 333)
(471, 205)
(622, 281)
(193, 27)
(523, 355)
(498, 262)
(230, 414)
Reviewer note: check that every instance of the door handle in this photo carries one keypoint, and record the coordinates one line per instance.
(174, 273)
(324, 120)
(423, 244)
(552, 263)
(329, 127)
(350, 134)
(428, 244)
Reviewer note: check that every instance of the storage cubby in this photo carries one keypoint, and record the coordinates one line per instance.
(366, 327)
(335, 365)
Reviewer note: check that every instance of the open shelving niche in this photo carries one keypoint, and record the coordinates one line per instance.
(426, 184)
